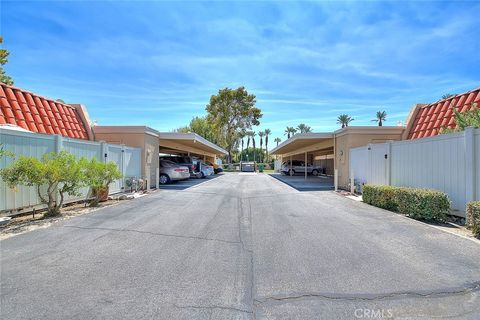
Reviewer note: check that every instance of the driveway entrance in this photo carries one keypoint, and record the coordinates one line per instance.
(240, 246)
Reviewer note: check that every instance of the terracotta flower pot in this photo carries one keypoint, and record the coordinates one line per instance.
(102, 193)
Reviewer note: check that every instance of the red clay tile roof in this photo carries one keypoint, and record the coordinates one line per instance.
(431, 118)
(39, 114)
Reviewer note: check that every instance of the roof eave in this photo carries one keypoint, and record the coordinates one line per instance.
(302, 136)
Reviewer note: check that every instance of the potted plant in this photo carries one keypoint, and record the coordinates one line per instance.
(98, 176)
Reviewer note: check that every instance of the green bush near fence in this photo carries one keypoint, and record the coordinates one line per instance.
(473, 217)
(421, 204)
(380, 196)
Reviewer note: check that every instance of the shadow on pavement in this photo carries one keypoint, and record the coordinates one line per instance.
(312, 183)
(185, 184)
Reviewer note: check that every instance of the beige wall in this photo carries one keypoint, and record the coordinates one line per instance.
(150, 155)
(148, 143)
(327, 164)
(352, 138)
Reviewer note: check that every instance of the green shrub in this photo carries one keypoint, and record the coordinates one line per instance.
(98, 175)
(422, 204)
(473, 217)
(60, 173)
(380, 196)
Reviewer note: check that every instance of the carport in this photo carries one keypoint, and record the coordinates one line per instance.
(153, 142)
(189, 144)
(314, 148)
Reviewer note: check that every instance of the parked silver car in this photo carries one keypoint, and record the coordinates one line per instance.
(298, 166)
(171, 171)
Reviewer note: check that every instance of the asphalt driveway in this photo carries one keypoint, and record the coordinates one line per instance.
(241, 246)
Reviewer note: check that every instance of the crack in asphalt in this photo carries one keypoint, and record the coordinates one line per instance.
(243, 232)
(212, 307)
(155, 234)
(475, 287)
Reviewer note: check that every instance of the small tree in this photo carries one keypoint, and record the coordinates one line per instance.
(3, 60)
(61, 173)
(98, 176)
(463, 120)
(5, 153)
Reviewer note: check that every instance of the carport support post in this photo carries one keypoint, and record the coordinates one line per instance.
(290, 166)
(335, 179)
(352, 182)
(305, 165)
(147, 175)
(157, 178)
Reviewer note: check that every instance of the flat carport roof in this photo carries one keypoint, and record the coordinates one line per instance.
(188, 142)
(304, 142)
(168, 141)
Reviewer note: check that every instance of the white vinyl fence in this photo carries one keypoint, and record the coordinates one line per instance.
(22, 143)
(447, 162)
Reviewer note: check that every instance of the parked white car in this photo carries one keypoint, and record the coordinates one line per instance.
(206, 170)
(201, 169)
(298, 166)
(171, 171)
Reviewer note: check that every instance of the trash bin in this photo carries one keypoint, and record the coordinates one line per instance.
(261, 166)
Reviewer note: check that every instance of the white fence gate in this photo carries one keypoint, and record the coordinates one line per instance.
(448, 162)
(21, 143)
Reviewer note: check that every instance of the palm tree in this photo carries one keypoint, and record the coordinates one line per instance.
(277, 140)
(261, 134)
(303, 128)
(381, 116)
(290, 131)
(344, 120)
(241, 136)
(267, 133)
(253, 142)
(447, 95)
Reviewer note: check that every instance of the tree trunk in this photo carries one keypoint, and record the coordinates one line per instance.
(266, 147)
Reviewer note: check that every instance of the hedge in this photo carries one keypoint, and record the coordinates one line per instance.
(422, 204)
(380, 196)
(473, 217)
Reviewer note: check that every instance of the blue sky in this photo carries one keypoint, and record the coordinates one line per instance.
(157, 63)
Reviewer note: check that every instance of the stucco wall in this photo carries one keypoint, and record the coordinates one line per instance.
(148, 144)
(353, 139)
(150, 156)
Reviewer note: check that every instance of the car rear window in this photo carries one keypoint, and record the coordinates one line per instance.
(185, 160)
(167, 163)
